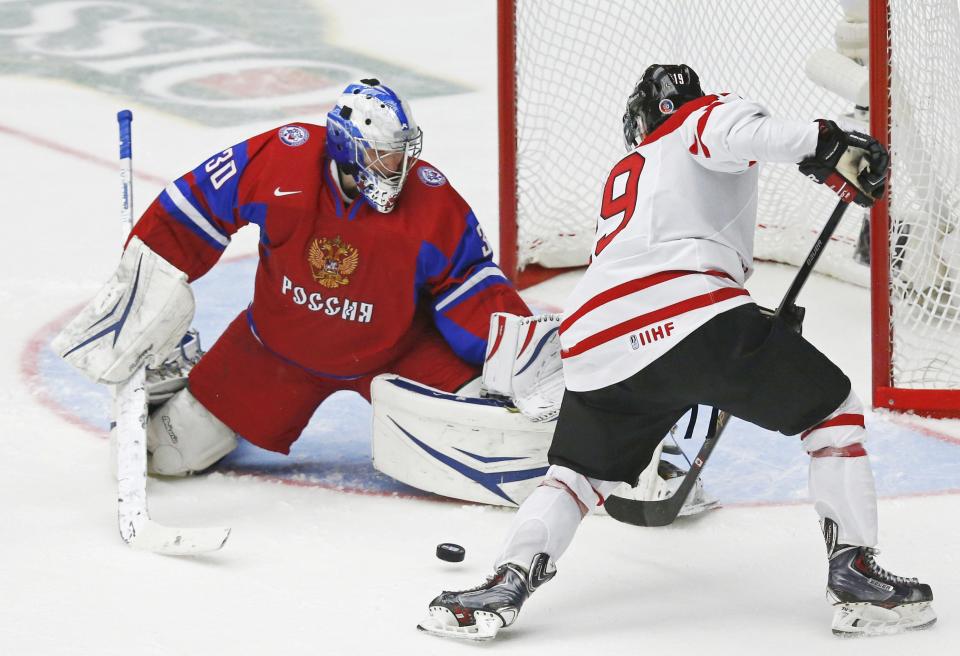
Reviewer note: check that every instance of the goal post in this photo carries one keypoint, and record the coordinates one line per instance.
(915, 250)
(567, 66)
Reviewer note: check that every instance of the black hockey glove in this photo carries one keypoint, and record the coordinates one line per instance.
(853, 164)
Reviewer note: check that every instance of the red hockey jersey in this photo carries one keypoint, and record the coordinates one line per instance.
(341, 289)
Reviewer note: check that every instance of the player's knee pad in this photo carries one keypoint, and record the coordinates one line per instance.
(588, 492)
(184, 437)
(842, 433)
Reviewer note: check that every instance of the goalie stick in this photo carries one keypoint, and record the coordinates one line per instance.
(130, 411)
(664, 511)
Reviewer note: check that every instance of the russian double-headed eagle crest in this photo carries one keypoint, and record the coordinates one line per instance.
(331, 261)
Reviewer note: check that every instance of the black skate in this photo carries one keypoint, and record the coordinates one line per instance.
(868, 599)
(478, 613)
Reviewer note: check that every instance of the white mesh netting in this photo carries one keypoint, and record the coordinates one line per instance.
(577, 60)
(924, 199)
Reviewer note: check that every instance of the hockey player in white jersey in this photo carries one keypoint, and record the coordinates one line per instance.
(661, 321)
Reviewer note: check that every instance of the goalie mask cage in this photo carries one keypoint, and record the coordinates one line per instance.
(566, 68)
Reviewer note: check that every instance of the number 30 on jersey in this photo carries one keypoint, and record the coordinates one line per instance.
(619, 199)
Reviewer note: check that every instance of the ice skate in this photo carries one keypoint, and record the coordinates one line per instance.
(868, 599)
(479, 613)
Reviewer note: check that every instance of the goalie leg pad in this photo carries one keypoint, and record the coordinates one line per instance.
(841, 479)
(475, 449)
(466, 448)
(183, 437)
(136, 318)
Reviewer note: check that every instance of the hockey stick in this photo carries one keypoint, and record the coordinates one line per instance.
(130, 408)
(664, 511)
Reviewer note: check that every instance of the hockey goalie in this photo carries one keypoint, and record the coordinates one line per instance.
(369, 262)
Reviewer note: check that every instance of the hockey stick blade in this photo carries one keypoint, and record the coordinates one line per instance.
(151, 536)
(665, 511)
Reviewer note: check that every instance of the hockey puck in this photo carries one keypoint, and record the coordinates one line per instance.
(452, 553)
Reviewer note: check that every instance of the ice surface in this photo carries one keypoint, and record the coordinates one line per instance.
(315, 570)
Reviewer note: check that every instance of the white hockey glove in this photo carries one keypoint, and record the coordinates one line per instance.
(853, 164)
(523, 363)
(136, 318)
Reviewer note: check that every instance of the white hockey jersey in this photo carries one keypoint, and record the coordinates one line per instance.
(674, 239)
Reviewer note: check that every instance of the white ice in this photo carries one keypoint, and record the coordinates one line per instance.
(315, 571)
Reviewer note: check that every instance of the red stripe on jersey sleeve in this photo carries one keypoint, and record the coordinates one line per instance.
(174, 242)
(702, 124)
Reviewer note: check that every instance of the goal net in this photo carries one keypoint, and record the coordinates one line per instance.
(567, 67)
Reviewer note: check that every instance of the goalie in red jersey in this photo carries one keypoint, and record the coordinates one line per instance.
(370, 262)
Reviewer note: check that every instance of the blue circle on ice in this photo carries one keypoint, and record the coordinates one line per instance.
(752, 466)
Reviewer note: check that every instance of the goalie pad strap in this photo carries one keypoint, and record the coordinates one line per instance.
(136, 318)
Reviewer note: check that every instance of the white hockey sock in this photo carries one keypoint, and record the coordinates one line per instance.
(545, 523)
(841, 480)
(843, 490)
(548, 519)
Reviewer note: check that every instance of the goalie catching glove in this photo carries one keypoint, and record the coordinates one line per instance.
(523, 363)
(853, 164)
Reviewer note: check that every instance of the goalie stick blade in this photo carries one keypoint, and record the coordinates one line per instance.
(151, 536)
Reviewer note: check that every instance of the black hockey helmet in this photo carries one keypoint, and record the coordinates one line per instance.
(662, 89)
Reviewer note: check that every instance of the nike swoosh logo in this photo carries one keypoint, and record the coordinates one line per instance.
(277, 192)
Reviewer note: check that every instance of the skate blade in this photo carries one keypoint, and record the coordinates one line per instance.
(868, 620)
(444, 624)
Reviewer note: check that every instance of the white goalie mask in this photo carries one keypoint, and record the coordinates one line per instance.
(372, 135)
